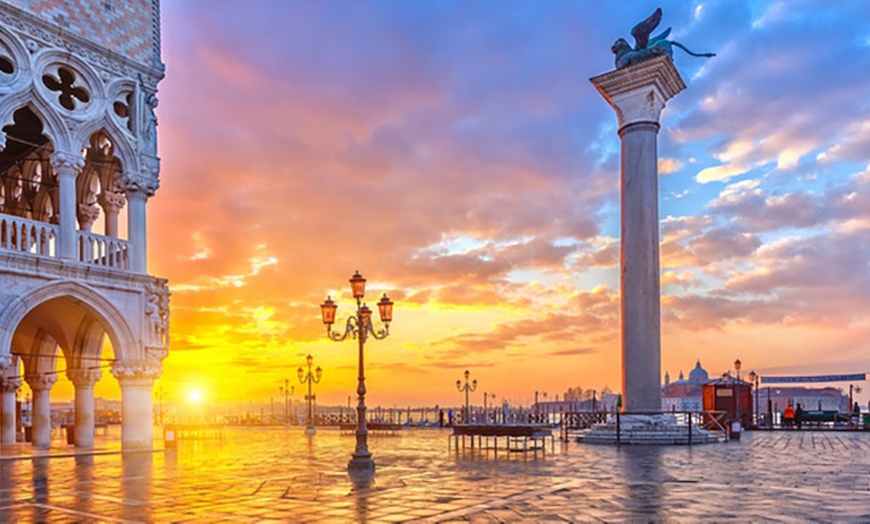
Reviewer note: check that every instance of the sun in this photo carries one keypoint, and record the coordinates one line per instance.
(194, 396)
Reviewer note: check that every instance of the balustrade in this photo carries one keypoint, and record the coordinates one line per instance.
(101, 250)
(28, 236)
(24, 235)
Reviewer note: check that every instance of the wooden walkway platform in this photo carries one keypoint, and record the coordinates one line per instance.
(517, 437)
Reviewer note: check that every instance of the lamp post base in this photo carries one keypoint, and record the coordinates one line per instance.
(310, 431)
(361, 468)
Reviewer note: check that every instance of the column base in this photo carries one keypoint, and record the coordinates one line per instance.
(361, 468)
(310, 432)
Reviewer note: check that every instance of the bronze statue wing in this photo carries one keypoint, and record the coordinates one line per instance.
(642, 30)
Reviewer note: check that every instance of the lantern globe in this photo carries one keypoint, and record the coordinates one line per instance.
(385, 309)
(327, 310)
(357, 285)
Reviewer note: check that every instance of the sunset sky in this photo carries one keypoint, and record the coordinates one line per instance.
(455, 153)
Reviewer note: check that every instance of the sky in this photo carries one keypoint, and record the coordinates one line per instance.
(456, 154)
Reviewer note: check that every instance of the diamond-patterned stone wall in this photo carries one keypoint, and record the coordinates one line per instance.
(128, 27)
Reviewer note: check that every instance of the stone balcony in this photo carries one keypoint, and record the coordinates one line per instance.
(40, 240)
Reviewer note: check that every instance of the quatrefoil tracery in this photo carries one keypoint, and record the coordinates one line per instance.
(65, 85)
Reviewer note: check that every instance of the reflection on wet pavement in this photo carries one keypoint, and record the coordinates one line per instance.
(279, 474)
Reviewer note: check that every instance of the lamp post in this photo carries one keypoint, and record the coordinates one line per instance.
(485, 411)
(311, 378)
(754, 378)
(286, 390)
(737, 364)
(361, 465)
(467, 388)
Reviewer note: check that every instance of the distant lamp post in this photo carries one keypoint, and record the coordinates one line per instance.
(737, 389)
(361, 466)
(311, 378)
(485, 411)
(754, 378)
(467, 388)
(286, 390)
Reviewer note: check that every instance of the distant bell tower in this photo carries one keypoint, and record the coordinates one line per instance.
(78, 145)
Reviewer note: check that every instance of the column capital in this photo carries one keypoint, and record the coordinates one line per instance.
(66, 164)
(40, 381)
(139, 187)
(137, 373)
(84, 377)
(638, 93)
(5, 361)
(9, 384)
(87, 215)
(111, 202)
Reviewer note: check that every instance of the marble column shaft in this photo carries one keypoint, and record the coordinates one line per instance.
(137, 234)
(137, 416)
(84, 381)
(638, 94)
(67, 167)
(8, 428)
(40, 385)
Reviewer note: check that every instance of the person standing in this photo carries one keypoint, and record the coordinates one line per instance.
(788, 416)
(798, 416)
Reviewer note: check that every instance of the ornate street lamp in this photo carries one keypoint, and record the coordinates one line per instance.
(359, 326)
(754, 377)
(311, 378)
(467, 388)
(286, 390)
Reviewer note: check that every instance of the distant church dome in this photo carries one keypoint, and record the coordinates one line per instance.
(699, 374)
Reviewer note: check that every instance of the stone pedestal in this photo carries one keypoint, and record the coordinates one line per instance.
(84, 381)
(638, 95)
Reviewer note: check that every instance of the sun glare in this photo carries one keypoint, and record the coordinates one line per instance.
(194, 396)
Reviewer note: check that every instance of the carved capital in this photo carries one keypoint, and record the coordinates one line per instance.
(139, 186)
(87, 215)
(638, 93)
(66, 164)
(40, 381)
(84, 377)
(139, 373)
(111, 202)
(9, 384)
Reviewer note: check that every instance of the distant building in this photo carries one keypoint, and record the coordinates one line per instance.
(682, 394)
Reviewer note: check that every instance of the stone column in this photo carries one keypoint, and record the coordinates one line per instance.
(8, 387)
(41, 384)
(67, 166)
(112, 204)
(137, 424)
(84, 380)
(638, 95)
(137, 235)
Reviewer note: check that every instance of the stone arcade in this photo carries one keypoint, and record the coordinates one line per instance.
(78, 80)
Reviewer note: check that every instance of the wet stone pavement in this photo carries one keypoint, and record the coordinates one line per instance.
(277, 474)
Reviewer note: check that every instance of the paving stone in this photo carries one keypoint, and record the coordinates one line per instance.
(273, 474)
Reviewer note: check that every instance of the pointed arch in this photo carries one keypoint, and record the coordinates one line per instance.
(109, 317)
(52, 124)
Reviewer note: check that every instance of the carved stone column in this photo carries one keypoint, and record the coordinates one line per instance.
(137, 195)
(41, 384)
(638, 94)
(8, 429)
(84, 380)
(112, 203)
(137, 424)
(67, 166)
